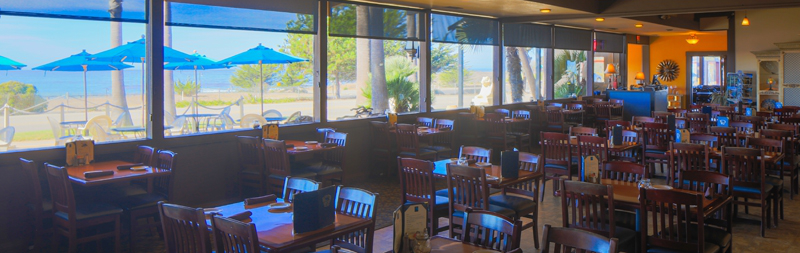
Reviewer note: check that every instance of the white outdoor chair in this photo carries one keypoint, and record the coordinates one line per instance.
(248, 120)
(272, 113)
(120, 121)
(100, 135)
(178, 126)
(220, 122)
(6, 137)
(102, 120)
(58, 133)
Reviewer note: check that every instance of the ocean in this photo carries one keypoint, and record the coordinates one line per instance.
(55, 83)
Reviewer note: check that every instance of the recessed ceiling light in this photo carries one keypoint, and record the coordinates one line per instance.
(600, 19)
(638, 25)
(544, 10)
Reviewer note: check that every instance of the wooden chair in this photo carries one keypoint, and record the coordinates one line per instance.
(656, 144)
(504, 112)
(569, 239)
(695, 108)
(527, 204)
(408, 143)
(519, 128)
(575, 119)
(764, 115)
(70, 219)
(698, 122)
(331, 169)
(361, 204)
(679, 113)
(479, 154)
(498, 137)
(276, 160)
(295, 185)
(580, 131)
(686, 156)
(41, 208)
(491, 230)
(602, 111)
(144, 155)
(678, 229)
(251, 164)
(419, 186)
(559, 105)
(466, 129)
(617, 108)
(557, 154)
(382, 148)
(784, 113)
(467, 188)
(710, 140)
(742, 127)
(234, 236)
(425, 121)
(726, 136)
(626, 125)
(786, 127)
(681, 124)
(185, 228)
(661, 117)
(749, 180)
(555, 120)
(592, 209)
(144, 206)
(443, 143)
(322, 132)
(640, 120)
(624, 171)
(635, 155)
(593, 145)
(774, 170)
(710, 183)
(790, 159)
(757, 121)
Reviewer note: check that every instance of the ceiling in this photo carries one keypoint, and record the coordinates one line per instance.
(659, 17)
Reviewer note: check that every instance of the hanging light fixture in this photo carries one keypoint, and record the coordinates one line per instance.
(745, 21)
(692, 39)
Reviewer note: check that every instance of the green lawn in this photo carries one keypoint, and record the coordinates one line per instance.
(34, 135)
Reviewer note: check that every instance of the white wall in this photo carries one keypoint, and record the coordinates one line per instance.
(767, 26)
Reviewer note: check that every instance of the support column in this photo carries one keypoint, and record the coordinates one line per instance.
(425, 63)
(155, 70)
(321, 64)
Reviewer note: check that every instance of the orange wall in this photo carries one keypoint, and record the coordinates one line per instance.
(634, 63)
(675, 48)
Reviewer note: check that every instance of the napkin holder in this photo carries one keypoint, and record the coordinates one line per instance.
(671, 123)
(269, 131)
(509, 164)
(682, 136)
(408, 218)
(314, 210)
(591, 169)
(80, 152)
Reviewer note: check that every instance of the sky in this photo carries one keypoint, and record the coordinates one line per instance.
(37, 41)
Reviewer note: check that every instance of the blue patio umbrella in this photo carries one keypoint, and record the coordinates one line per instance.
(9, 64)
(261, 55)
(136, 52)
(81, 62)
(200, 62)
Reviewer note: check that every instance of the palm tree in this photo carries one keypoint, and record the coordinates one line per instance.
(514, 74)
(117, 79)
(380, 94)
(527, 71)
(362, 53)
(169, 87)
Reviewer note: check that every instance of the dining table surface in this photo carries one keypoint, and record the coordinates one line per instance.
(440, 244)
(311, 147)
(507, 120)
(275, 226)
(429, 131)
(494, 175)
(76, 173)
(626, 196)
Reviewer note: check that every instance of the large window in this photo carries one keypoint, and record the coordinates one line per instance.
(526, 49)
(50, 101)
(570, 70)
(602, 79)
(247, 70)
(461, 63)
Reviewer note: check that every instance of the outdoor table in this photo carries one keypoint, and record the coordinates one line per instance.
(275, 227)
(73, 126)
(275, 119)
(196, 118)
(135, 130)
(312, 148)
(495, 171)
(76, 174)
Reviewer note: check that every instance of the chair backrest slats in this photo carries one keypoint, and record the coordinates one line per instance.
(581, 241)
(145, 155)
(491, 230)
(295, 185)
(185, 228)
(234, 236)
(479, 154)
(276, 160)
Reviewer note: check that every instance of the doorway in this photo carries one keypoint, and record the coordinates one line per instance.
(705, 75)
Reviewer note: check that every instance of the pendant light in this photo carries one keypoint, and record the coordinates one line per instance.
(745, 21)
(692, 39)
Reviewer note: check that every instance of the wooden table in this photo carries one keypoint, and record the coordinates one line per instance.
(506, 120)
(275, 227)
(312, 148)
(440, 170)
(573, 140)
(626, 196)
(447, 245)
(77, 177)
(429, 132)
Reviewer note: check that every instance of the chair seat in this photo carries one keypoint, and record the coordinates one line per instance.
(443, 192)
(774, 181)
(521, 206)
(91, 210)
(497, 209)
(141, 201)
(556, 166)
(709, 248)
(753, 190)
(422, 152)
(655, 151)
(713, 235)
(625, 219)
